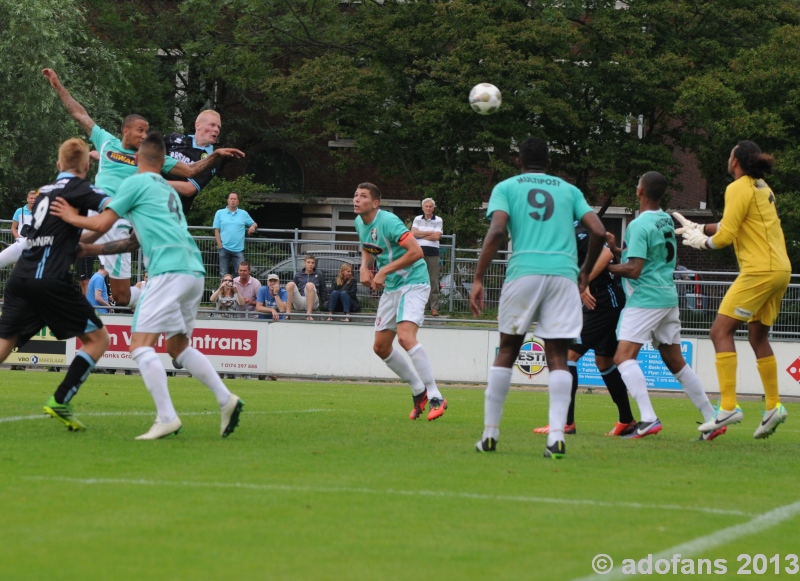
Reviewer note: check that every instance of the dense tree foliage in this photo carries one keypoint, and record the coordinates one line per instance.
(599, 82)
(615, 89)
(33, 35)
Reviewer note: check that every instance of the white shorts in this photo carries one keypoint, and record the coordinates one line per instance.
(656, 326)
(169, 304)
(552, 301)
(404, 304)
(117, 265)
(300, 302)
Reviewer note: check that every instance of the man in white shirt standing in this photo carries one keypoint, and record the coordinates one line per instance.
(427, 229)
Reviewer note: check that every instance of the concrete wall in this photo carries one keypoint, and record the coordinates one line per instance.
(458, 355)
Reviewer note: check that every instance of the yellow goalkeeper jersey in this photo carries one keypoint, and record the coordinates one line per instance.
(750, 222)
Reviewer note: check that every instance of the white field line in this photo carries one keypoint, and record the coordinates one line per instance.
(698, 546)
(387, 492)
(43, 416)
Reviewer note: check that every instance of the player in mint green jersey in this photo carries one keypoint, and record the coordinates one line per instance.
(651, 311)
(541, 285)
(170, 301)
(118, 162)
(403, 276)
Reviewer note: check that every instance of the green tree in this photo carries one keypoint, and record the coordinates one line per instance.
(33, 35)
(756, 98)
(215, 197)
(597, 81)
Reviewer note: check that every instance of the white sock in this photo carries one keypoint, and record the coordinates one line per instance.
(136, 293)
(559, 387)
(420, 361)
(155, 379)
(201, 368)
(694, 389)
(634, 380)
(11, 254)
(402, 368)
(493, 400)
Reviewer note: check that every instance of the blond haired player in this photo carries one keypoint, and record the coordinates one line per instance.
(40, 292)
(750, 222)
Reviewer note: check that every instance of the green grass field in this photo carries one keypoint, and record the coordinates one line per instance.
(330, 480)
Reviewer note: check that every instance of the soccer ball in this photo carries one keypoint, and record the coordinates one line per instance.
(485, 99)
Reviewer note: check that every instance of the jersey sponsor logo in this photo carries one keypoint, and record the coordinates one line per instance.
(529, 179)
(117, 157)
(531, 360)
(39, 241)
(177, 155)
(373, 249)
(59, 185)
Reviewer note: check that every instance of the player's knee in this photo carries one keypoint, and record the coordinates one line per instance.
(406, 342)
(96, 343)
(104, 340)
(121, 292)
(174, 351)
(382, 350)
(290, 286)
(310, 289)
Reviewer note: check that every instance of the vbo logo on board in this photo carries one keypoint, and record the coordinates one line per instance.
(531, 359)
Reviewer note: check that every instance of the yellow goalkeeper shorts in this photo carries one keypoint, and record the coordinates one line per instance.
(756, 297)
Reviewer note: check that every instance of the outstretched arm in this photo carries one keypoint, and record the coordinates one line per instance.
(72, 106)
(184, 170)
(185, 189)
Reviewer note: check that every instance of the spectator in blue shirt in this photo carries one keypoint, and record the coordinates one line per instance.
(272, 299)
(97, 291)
(23, 218)
(230, 226)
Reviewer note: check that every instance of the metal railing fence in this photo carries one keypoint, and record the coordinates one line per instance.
(282, 251)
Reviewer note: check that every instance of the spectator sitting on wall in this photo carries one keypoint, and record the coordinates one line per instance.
(97, 291)
(230, 225)
(247, 287)
(272, 299)
(308, 291)
(344, 296)
(226, 297)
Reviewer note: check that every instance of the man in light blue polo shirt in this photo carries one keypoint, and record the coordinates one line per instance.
(229, 229)
(97, 291)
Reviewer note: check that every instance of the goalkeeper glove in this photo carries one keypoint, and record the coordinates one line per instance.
(686, 225)
(695, 239)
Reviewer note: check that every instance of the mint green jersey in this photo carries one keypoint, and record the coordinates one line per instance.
(381, 238)
(651, 236)
(116, 162)
(542, 210)
(154, 209)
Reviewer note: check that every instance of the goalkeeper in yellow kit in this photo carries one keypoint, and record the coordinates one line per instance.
(750, 222)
